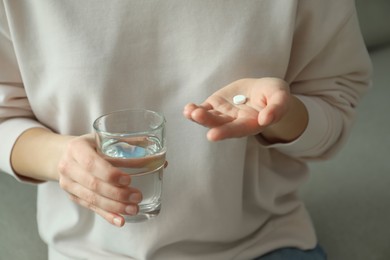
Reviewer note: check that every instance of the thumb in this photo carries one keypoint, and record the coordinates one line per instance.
(265, 118)
(269, 115)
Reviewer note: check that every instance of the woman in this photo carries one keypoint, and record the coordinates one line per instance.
(299, 68)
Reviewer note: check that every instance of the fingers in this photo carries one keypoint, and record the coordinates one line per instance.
(107, 208)
(106, 199)
(232, 123)
(246, 120)
(74, 175)
(206, 116)
(188, 109)
(238, 128)
(83, 153)
(112, 218)
(95, 184)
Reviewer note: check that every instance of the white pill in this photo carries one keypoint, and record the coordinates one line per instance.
(239, 99)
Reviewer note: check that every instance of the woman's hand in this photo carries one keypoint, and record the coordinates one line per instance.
(270, 109)
(73, 161)
(90, 180)
(94, 183)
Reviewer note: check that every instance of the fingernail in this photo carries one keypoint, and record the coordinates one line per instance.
(124, 180)
(135, 197)
(131, 210)
(118, 221)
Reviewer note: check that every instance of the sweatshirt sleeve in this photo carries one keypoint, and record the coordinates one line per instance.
(16, 115)
(329, 72)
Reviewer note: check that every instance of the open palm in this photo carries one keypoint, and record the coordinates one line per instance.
(267, 102)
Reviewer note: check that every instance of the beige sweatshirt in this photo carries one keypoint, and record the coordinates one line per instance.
(64, 63)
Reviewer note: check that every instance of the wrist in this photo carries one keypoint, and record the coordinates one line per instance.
(36, 154)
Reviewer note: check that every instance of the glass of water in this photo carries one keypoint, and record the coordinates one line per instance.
(134, 140)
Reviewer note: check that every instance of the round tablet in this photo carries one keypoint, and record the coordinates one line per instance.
(239, 99)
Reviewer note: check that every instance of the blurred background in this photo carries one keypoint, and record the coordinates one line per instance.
(348, 196)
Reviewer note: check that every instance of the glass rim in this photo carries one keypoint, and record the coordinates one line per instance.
(159, 126)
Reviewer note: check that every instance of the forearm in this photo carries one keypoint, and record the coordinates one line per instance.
(37, 152)
(291, 126)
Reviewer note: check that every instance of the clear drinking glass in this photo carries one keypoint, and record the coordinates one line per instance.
(134, 140)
